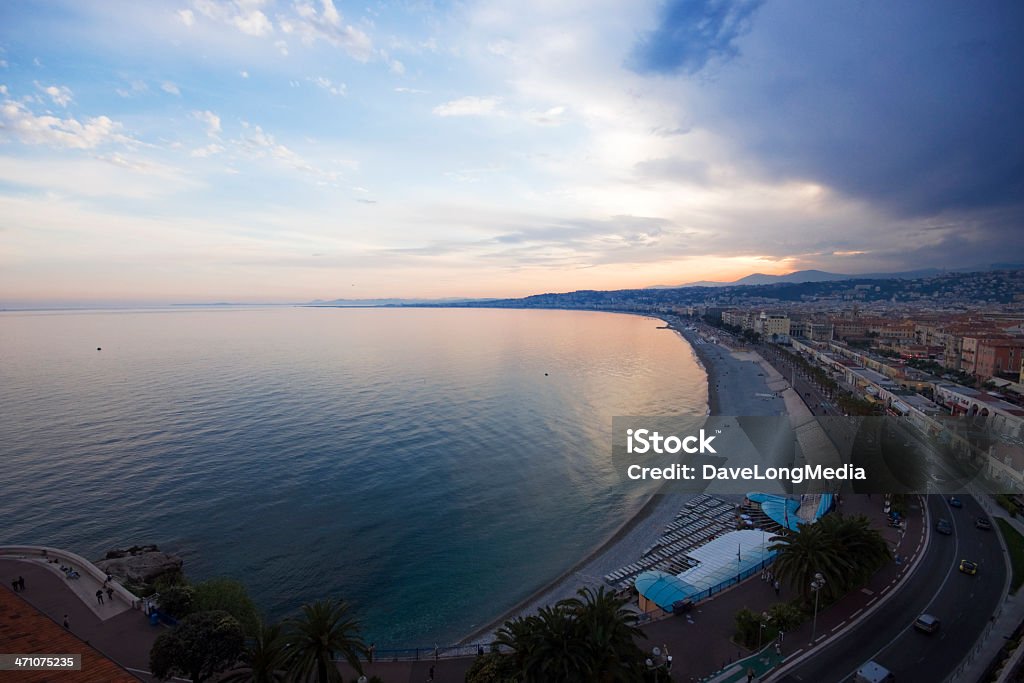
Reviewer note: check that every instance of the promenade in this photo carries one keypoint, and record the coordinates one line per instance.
(121, 633)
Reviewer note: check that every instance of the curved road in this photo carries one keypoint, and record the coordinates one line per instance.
(963, 603)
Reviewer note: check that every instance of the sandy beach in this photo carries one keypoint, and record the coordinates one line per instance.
(735, 381)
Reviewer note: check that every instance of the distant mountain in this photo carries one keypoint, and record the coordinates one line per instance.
(806, 276)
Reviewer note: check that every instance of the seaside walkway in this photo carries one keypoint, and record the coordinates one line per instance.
(114, 628)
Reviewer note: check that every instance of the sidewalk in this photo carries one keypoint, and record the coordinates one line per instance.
(119, 632)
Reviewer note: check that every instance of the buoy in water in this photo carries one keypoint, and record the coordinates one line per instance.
(545, 374)
(99, 348)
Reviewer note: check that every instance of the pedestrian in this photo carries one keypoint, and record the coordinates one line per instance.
(750, 675)
(778, 587)
(99, 595)
(14, 585)
(21, 582)
(110, 595)
(430, 676)
(67, 624)
(764, 574)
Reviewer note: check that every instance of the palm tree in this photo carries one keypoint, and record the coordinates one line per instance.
(264, 659)
(556, 649)
(802, 555)
(323, 630)
(864, 547)
(609, 631)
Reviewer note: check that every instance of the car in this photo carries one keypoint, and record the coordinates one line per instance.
(983, 523)
(955, 502)
(927, 623)
(944, 527)
(968, 567)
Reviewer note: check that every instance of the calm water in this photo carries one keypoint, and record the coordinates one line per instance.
(418, 463)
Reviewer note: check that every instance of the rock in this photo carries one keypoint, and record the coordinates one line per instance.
(139, 564)
(134, 550)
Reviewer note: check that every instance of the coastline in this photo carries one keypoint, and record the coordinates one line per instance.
(641, 530)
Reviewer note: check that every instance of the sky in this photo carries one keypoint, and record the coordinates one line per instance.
(249, 150)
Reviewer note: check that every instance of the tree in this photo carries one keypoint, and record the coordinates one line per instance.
(802, 555)
(609, 631)
(264, 659)
(324, 629)
(178, 601)
(587, 638)
(202, 645)
(229, 596)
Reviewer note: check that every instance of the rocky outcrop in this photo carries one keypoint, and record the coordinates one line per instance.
(139, 564)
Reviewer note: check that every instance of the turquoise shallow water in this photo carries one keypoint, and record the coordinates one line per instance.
(417, 462)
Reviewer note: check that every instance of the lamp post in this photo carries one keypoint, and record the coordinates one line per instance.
(762, 624)
(816, 585)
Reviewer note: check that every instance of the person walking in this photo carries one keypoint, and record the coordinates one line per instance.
(778, 587)
(99, 595)
(67, 624)
(21, 583)
(14, 585)
(110, 594)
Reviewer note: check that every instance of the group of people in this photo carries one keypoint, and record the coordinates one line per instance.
(766, 575)
(106, 588)
(18, 584)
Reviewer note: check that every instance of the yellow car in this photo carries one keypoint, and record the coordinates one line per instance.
(968, 567)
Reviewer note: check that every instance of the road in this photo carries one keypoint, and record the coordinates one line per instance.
(963, 603)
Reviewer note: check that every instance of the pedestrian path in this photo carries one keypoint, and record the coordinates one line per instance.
(750, 669)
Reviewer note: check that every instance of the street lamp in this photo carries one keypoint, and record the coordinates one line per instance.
(762, 624)
(816, 585)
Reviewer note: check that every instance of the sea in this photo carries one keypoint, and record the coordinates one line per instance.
(433, 467)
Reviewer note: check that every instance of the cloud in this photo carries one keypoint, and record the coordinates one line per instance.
(914, 112)
(171, 88)
(134, 88)
(550, 117)
(60, 94)
(243, 15)
(187, 17)
(690, 33)
(209, 150)
(311, 25)
(469, 106)
(20, 123)
(326, 84)
(210, 120)
(687, 171)
(412, 91)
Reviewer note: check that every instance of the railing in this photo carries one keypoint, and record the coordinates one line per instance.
(38, 552)
(430, 653)
(976, 650)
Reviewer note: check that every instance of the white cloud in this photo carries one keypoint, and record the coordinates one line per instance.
(134, 88)
(210, 120)
(397, 67)
(282, 47)
(310, 25)
(209, 150)
(23, 125)
(244, 15)
(469, 106)
(60, 94)
(550, 117)
(3, 89)
(169, 87)
(186, 17)
(243, 74)
(326, 84)
(412, 91)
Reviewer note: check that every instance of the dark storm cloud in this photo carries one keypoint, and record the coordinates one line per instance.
(691, 33)
(914, 107)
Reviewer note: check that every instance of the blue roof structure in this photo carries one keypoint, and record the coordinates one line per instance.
(721, 562)
(786, 511)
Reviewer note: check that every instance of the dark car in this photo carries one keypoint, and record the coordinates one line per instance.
(944, 527)
(955, 502)
(983, 523)
(927, 623)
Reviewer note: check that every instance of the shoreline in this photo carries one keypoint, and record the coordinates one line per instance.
(627, 543)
